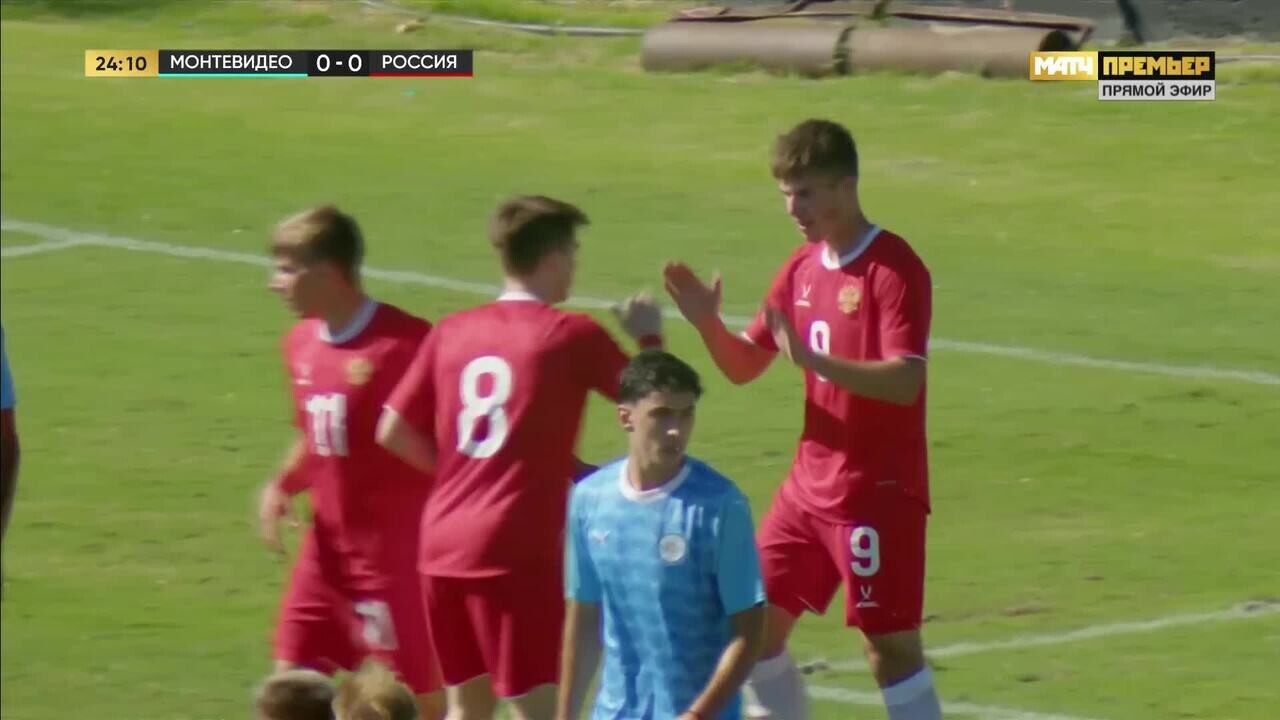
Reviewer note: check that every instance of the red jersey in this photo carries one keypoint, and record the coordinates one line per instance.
(502, 389)
(366, 501)
(873, 303)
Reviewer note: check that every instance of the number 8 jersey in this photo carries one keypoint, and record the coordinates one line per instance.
(501, 389)
(367, 502)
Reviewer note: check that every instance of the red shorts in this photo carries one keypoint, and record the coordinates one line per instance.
(879, 557)
(326, 628)
(507, 627)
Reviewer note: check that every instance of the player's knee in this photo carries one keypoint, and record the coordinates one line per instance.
(777, 628)
(537, 704)
(294, 695)
(894, 656)
(472, 700)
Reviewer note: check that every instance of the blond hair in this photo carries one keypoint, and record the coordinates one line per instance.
(295, 695)
(374, 693)
(320, 234)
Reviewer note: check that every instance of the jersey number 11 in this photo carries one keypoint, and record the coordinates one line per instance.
(328, 415)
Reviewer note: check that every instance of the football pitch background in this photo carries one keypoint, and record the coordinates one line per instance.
(1104, 391)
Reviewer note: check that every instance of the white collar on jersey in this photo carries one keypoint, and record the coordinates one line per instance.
(832, 263)
(517, 295)
(661, 492)
(353, 328)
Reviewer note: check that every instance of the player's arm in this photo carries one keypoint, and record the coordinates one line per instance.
(641, 318)
(904, 300)
(739, 656)
(581, 645)
(403, 440)
(742, 596)
(274, 502)
(739, 359)
(579, 657)
(405, 427)
(9, 446)
(9, 449)
(897, 381)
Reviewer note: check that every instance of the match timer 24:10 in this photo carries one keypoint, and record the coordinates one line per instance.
(121, 63)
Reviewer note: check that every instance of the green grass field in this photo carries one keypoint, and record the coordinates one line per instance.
(1069, 496)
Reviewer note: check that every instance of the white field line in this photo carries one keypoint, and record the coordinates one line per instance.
(37, 248)
(985, 712)
(1243, 611)
(74, 238)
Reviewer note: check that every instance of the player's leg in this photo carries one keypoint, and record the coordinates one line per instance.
(884, 576)
(468, 691)
(394, 631)
(521, 617)
(798, 576)
(471, 700)
(313, 629)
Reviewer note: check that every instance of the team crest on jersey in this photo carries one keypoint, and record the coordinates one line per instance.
(849, 299)
(359, 370)
(672, 548)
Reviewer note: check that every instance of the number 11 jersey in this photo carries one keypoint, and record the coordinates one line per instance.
(501, 389)
(367, 502)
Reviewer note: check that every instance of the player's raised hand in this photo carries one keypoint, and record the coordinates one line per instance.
(698, 301)
(273, 507)
(639, 315)
(785, 336)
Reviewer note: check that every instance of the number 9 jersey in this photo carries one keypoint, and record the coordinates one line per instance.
(502, 389)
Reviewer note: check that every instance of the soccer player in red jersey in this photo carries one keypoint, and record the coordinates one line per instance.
(354, 590)
(492, 405)
(852, 308)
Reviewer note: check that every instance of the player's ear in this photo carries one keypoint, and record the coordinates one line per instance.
(624, 417)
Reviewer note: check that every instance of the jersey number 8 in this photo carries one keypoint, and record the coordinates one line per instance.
(491, 406)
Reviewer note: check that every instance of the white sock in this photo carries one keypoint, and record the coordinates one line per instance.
(913, 698)
(775, 690)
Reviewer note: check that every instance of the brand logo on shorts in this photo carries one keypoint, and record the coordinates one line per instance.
(672, 548)
(866, 601)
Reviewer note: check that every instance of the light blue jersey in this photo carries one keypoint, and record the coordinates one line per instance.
(6, 380)
(668, 567)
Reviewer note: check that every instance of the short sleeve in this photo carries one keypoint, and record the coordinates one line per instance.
(904, 298)
(7, 396)
(599, 356)
(414, 396)
(779, 296)
(737, 562)
(580, 580)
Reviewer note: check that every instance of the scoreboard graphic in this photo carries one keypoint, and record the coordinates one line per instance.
(279, 63)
